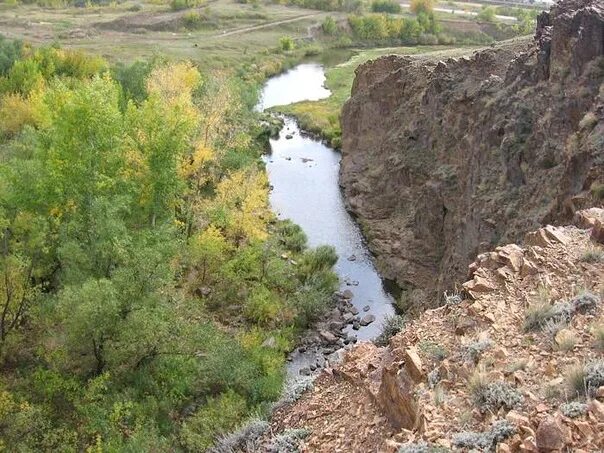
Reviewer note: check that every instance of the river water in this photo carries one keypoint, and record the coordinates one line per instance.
(304, 174)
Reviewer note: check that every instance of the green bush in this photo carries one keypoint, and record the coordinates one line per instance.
(219, 415)
(286, 43)
(10, 51)
(192, 20)
(179, 5)
(329, 26)
(385, 6)
(291, 236)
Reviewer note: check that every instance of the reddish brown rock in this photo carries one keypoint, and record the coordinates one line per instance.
(552, 435)
(442, 160)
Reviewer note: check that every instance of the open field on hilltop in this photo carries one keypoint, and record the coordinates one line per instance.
(222, 33)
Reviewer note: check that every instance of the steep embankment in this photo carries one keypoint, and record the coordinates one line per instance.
(444, 160)
(515, 367)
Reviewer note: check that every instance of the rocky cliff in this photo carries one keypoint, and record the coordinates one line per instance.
(443, 160)
(516, 366)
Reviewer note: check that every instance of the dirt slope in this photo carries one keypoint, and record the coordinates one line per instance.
(444, 160)
(476, 373)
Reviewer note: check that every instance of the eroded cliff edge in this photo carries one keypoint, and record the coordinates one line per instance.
(444, 160)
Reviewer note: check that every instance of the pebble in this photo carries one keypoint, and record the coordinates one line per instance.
(366, 308)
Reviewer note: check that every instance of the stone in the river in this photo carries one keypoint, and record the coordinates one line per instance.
(348, 317)
(289, 137)
(356, 325)
(367, 319)
(327, 336)
(354, 310)
(366, 308)
(313, 367)
(347, 294)
(302, 349)
(305, 371)
(352, 258)
(288, 158)
(352, 338)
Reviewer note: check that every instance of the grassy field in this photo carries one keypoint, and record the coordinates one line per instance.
(223, 33)
(323, 117)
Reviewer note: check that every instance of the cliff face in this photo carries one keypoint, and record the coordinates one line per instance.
(443, 160)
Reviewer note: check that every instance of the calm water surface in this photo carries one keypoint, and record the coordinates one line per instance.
(304, 174)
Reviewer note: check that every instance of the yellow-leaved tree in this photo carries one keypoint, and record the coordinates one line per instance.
(241, 206)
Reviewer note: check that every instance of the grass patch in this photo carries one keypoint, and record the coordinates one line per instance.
(584, 380)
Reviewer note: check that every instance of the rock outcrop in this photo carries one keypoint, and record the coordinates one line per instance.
(444, 160)
(505, 382)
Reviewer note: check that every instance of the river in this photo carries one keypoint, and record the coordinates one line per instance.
(304, 174)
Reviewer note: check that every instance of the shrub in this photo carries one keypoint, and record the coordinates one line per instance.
(294, 389)
(286, 43)
(538, 315)
(178, 5)
(597, 190)
(472, 351)
(593, 255)
(598, 333)
(329, 26)
(421, 6)
(288, 441)
(243, 439)
(566, 340)
(291, 236)
(585, 380)
(385, 6)
(493, 395)
(573, 409)
(428, 39)
(435, 351)
(262, 306)
(487, 440)
(421, 447)
(193, 20)
(316, 260)
(218, 415)
(10, 51)
(487, 14)
(390, 327)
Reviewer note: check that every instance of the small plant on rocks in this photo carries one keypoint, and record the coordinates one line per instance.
(493, 395)
(487, 440)
(433, 378)
(294, 389)
(433, 350)
(593, 255)
(539, 315)
(288, 441)
(573, 409)
(390, 327)
(421, 447)
(598, 333)
(585, 380)
(244, 439)
(472, 351)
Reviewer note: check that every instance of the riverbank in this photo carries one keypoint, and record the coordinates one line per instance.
(322, 117)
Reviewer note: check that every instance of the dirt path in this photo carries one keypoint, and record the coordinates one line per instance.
(261, 26)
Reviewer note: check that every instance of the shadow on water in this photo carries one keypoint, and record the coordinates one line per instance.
(304, 174)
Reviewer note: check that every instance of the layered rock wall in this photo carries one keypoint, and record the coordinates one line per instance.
(444, 160)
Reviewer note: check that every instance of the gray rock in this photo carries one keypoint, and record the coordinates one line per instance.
(367, 319)
(354, 311)
(327, 336)
(305, 371)
(347, 294)
(366, 308)
(356, 325)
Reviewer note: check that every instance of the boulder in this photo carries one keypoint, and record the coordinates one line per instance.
(413, 365)
(367, 319)
(396, 397)
(327, 336)
(347, 294)
(552, 435)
